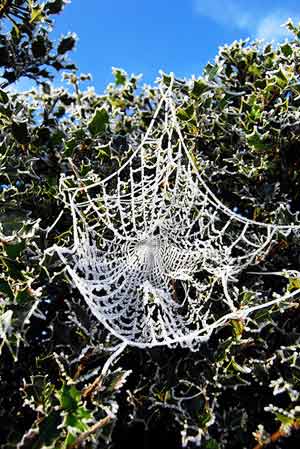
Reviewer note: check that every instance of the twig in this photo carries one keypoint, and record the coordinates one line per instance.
(5, 7)
(83, 436)
(92, 387)
(276, 436)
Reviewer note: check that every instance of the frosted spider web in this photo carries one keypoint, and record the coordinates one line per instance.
(154, 249)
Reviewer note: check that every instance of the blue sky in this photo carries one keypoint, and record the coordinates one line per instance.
(144, 36)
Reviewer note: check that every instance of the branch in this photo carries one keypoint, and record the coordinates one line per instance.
(276, 436)
(87, 392)
(83, 436)
(5, 7)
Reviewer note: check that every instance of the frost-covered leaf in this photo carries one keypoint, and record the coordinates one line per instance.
(119, 378)
(99, 122)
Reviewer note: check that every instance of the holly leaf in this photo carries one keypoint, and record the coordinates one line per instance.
(13, 250)
(5, 288)
(20, 132)
(66, 44)
(99, 122)
(37, 14)
(69, 397)
(258, 141)
(199, 87)
(120, 77)
(3, 97)
(118, 380)
(49, 428)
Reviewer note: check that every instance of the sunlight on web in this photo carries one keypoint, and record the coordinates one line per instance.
(154, 251)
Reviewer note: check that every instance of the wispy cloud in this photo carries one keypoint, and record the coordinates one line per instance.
(224, 12)
(271, 27)
(247, 17)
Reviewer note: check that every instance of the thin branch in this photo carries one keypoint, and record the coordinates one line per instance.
(5, 7)
(276, 436)
(87, 392)
(83, 436)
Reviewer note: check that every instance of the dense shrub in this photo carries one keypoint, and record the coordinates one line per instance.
(241, 123)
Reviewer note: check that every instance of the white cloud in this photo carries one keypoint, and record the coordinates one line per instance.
(244, 16)
(224, 12)
(270, 27)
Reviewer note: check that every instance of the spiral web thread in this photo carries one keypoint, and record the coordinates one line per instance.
(155, 252)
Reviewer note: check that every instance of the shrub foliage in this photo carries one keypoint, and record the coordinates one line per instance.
(241, 122)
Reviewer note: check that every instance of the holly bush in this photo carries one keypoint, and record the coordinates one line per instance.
(241, 122)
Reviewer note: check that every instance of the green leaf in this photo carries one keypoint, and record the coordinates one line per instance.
(103, 152)
(285, 420)
(118, 380)
(39, 47)
(120, 77)
(211, 71)
(84, 169)
(211, 444)
(166, 79)
(54, 6)
(204, 418)
(15, 33)
(48, 428)
(68, 442)
(255, 112)
(99, 122)
(185, 114)
(237, 367)
(13, 250)
(238, 327)
(199, 87)
(69, 397)
(287, 49)
(20, 132)
(5, 288)
(22, 296)
(3, 97)
(294, 29)
(281, 77)
(69, 147)
(57, 137)
(78, 420)
(66, 44)
(13, 268)
(255, 70)
(36, 14)
(294, 284)
(258, 141)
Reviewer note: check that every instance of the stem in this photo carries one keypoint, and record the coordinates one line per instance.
(4, 8)
(83, 436)
(276, 436)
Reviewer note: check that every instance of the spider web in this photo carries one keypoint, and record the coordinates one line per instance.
(156, 255)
